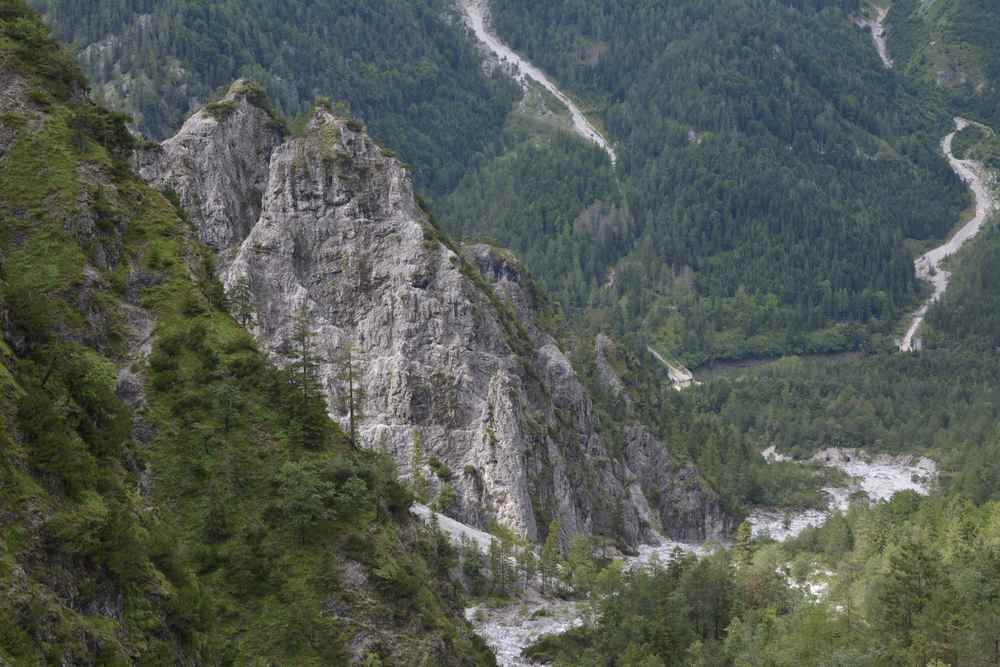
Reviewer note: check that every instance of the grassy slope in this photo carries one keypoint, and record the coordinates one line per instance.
(955, 44)
(166, 528)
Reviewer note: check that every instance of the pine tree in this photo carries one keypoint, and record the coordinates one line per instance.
(500, 565)
(241, 302)
(527, 562)
(580, 567)
(304, 496)
(909, 586)
(744, 546)
(496, 568)
(227, 400)
(419, 481)
(305, 361)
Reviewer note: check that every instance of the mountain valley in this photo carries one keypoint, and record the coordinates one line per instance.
(495, 332)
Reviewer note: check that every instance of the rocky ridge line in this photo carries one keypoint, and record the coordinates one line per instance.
(451, 356)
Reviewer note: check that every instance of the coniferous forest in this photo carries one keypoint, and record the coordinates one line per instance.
(396, 64)
(178, 488)
(737, 159)
(742, 129)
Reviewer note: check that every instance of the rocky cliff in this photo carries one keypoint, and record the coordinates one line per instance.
(461, 385)
(155, 508)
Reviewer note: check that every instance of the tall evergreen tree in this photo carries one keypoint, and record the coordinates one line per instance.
(350, 373)
(310, 427)
(550, 558)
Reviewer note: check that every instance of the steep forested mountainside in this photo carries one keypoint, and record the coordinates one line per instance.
(402, 66)
(970, 313)
(167, 496)
(771, 174)
(953, 44)
(772, 170)
(550, 197)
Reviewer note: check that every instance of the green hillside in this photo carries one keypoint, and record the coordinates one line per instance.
(954, 45)
(775, 180)
(189, 507)
(771, 175)
(398, 65)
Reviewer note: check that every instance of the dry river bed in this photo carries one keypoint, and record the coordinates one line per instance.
(509, 629)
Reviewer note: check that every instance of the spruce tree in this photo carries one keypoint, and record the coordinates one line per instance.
(308, 407)
(744, 546)
(418, 480)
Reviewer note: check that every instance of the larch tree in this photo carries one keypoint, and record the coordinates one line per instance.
(350, 373)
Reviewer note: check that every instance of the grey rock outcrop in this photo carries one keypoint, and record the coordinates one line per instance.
(606, 374)
(450, 354)
(687, 509)
(218, 166)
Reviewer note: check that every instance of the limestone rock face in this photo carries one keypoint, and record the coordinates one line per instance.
(218, 166)
(450, 354)
(686, 508)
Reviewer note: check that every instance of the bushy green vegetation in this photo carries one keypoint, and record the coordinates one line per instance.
(908, 582)
(399, 65)
(194, 506)
(969, 315)
(955, 45)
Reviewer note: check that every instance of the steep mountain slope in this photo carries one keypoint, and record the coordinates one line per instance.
(157, 503)
(402, 66)
(955, 45)
(770, 165)
(459, 383)
(969, 315)
(772, 172)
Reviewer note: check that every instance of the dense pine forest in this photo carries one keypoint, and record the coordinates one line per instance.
(742, 128)
(398, 65)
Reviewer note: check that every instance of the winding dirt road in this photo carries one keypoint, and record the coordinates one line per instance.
(929, 264)
(476, 15)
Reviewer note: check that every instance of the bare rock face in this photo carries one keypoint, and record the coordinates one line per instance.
(218, 166)
(453, 363)
(688, 510)
(606, 374)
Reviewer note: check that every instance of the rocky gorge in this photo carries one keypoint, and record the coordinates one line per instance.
(462, 384)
